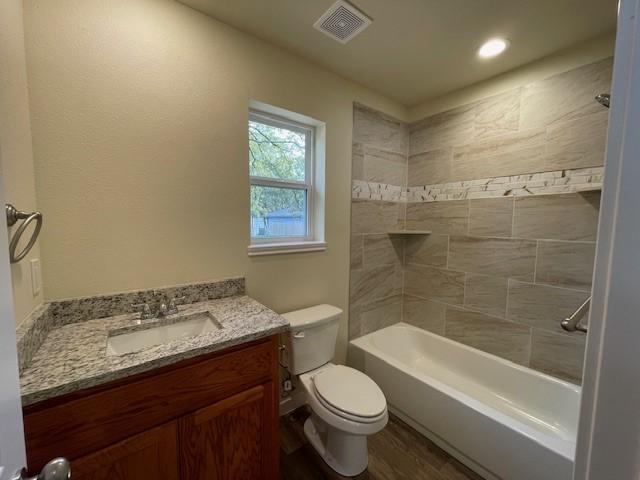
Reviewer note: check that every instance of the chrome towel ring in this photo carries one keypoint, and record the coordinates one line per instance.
(13, 215)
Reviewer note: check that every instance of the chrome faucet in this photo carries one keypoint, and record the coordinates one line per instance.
(164, 309)
(145, 310)
(173, 304)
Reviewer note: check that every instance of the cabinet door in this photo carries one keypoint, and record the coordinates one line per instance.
(234, 439)
(152, 454)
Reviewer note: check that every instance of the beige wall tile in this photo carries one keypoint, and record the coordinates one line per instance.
(401, 209)
(385, 167)
(382, 249)
(566, 264)
(434, 284)
(371, 284)
(430, 168)
(511, 154)
(450, 217)
(427, 249)
(499, 337)
(446, 129)
(486, 294)
(565, 96)
(357, 161)
(558, 355)
(497, 115)
(553, 124)
(491, 217)
(577, 143)
(385, 155)
(424, 314)
(493, 256)
(380, 314)
(571, 216)
(368, 216)
(542, 306)
(354, 327)
(357, 250)
(379, 130)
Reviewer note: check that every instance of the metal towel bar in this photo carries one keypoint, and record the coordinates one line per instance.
(572, 323)
(13, 215)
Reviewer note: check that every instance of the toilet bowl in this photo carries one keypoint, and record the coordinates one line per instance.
(346, 404)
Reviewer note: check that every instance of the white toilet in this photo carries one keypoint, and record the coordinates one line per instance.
(346, 404)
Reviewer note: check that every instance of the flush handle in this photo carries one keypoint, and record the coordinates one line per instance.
(298, 335)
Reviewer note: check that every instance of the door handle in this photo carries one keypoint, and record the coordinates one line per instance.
(56, 469)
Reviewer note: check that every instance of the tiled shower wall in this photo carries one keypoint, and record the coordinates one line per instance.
(380, 149)
(508, 186)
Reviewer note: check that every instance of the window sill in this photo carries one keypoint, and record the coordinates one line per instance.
(282, 248)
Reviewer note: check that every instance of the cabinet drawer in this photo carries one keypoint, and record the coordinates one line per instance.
(90, 423)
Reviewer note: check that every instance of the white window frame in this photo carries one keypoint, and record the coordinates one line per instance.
(309, 242)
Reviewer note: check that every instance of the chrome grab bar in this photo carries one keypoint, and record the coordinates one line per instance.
(572, 323)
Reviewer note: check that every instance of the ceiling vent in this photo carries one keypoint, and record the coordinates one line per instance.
(342, 22)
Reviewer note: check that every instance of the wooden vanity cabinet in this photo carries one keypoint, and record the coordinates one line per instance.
(212, 417)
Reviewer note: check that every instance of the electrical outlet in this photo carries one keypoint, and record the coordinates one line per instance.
(36, 276)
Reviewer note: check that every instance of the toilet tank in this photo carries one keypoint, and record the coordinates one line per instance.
(311, 340)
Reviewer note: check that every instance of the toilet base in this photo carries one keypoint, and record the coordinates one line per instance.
(345, 453)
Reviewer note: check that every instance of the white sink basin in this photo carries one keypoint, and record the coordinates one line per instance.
(159, 332)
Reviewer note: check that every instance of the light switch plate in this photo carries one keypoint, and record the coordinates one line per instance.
(36, 276)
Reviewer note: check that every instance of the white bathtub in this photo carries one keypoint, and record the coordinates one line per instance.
(502, 420)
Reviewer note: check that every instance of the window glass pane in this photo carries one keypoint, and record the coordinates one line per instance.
(276, 152)
(278, 212)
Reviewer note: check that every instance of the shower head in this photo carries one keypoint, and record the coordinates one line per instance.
(603, 99)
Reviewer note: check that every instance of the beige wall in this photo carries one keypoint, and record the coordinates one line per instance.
(139, 117)
(587, 52)
(16, 155)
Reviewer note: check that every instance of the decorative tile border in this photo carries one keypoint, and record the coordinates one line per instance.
(544, 183)
(378, 191)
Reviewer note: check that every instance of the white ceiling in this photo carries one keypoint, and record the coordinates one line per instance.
(420, 49)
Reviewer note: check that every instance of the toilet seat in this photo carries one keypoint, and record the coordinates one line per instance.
(350, 424)
(349, 394)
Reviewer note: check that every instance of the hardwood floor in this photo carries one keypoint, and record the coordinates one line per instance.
(396, 453)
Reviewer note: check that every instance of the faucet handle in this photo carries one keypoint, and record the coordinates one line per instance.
(174, 302)
(145, 310)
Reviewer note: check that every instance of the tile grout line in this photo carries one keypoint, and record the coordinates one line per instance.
(513, 218)
(404, 221)
(535, 263)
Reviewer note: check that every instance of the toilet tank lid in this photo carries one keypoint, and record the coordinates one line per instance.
(312, 316)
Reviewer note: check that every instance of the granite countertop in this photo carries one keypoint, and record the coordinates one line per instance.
(73, 357)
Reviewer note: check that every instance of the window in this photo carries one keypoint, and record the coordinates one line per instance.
(281, 169)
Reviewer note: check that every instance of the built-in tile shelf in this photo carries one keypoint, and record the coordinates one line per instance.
(409, 232)
(595, 188)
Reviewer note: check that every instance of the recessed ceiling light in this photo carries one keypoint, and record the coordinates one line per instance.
(493, 47)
